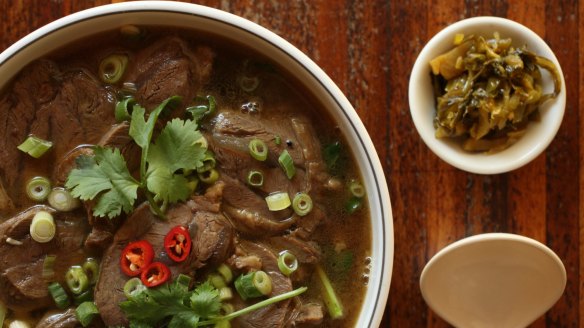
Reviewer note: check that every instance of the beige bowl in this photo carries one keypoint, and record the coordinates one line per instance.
(423, 103)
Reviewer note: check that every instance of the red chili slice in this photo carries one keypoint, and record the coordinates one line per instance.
(177, 243)
(135, 257)
(155, 274)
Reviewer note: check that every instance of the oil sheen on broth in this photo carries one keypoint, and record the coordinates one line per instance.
(64, 99)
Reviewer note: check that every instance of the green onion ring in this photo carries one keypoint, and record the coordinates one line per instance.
(38, 188)
(287, 263)
(302, 204)
(258, 149)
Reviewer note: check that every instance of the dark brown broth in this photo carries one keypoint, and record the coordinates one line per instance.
(349, 233)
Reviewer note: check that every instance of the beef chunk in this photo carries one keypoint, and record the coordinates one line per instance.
(210, 232)
(23, 287)
(167, 68)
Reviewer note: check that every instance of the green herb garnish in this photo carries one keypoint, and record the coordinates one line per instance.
(172, 302)
(106, 178)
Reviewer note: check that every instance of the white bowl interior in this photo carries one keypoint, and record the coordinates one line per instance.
(99, 19)
(422, 99)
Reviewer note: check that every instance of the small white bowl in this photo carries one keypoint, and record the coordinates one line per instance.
(423, 101)
(493, 280)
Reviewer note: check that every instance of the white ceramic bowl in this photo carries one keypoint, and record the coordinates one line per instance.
(423, 103)
(176, 14)
(493, 280)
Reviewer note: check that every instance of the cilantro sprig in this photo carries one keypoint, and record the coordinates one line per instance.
(173, 302)
(164, 165)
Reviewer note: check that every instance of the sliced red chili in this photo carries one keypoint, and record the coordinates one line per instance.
(177, 243)
(135, 257)
(155, 274)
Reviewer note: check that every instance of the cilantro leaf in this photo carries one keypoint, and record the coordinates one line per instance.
(205, 300)
(177, 148)
(168, 187)
(108, 175)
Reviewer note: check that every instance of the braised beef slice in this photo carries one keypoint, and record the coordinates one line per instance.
(229, 134)
(169, 67)
(274, 315)
(211, 235)
(34, 87)
(21, 282)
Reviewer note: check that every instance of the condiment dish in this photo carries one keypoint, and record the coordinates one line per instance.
(422, 99)
(493, 280)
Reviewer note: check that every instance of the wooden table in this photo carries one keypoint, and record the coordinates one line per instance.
(368, 48)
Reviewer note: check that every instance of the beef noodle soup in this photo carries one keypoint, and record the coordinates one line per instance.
(153, 177)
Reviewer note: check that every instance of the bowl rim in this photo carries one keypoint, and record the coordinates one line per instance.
(342, 106)
(477, 162)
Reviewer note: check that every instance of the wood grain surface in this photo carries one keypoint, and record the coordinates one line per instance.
(368, 48)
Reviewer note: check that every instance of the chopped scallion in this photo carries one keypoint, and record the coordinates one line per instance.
(91, 268)
(331, 300)
(225, 271)
(59, 295)
(287, 263)
(277, 140)
(35, 146)
(225, 293)
(353, 204)
(62, 200)
(209, 177)
(77, 280)
(38, 189)
(287, 164)
(253, 284)
(255, 178)
(42, 228)
(85, 313)
(217, 281)
(133, 287)
(208, 162)
(123, 109)
(3, 311)
(86, 296)
(302, 204)
(49, 267)
(278, 201)
(356, 189)
(258, 149)
(112, 68)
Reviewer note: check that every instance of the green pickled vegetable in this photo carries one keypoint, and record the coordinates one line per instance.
(488, 91)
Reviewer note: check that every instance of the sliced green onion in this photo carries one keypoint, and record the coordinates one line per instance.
(356, 189)
(85, 313)
(83, 297)
(48, 267)
(287, 263)
(331, 300)
(255, 178)
(209, 177)
(3, 311)
(225, 293)
(42, 227)
(222, 324)
(91, 268)
(183, 279)
(253, 284)
(208, 162)
(278, 201)
(193, 183)
(287, 164)
(302, 204)
(124, 109)
(77, 280)
(331, 154)
(255, 306)
(353, 204)
(258, 149)
(35, 146)
(225, 271)
(217, 281)
(38, 189)
(277, 140)
(59, 295)
(226, 308)
(133, 287)
(112, 68)
(247, 83)
(13, 242)
(200, 111)
(62, 200)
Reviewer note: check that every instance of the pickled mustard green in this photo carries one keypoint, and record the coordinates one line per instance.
(488, 91)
